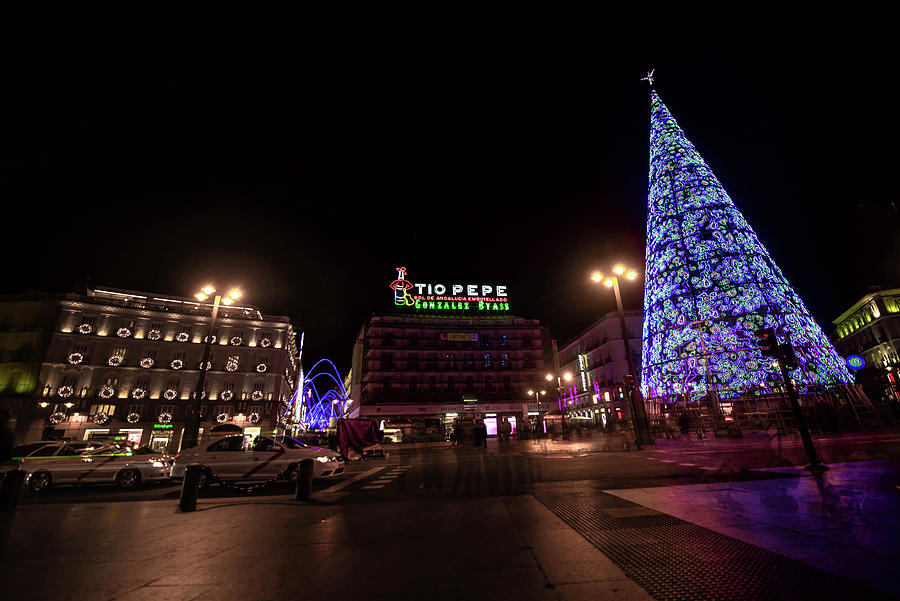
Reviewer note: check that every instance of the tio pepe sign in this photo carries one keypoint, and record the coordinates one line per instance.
(438, 297)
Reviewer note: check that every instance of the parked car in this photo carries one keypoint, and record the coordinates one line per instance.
(231, 458)
(86, 462)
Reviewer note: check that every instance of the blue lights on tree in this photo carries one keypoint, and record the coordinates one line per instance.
(710, 283)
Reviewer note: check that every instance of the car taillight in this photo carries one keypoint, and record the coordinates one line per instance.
(177, 455)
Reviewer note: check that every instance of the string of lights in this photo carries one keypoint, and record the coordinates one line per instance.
(711, 283)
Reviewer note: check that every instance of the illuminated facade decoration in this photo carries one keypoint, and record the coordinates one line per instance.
(147, 372)
(710, 283)
(319, 411)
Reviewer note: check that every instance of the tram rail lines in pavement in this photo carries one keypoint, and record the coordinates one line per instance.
(677, 560)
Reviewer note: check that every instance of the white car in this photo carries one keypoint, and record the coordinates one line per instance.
(51, 463)
(231, 458)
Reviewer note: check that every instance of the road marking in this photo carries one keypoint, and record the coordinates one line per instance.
(707, 468)
(687, 464)
(353, 480)
(651, 458)
(372, 486)
(667, 461)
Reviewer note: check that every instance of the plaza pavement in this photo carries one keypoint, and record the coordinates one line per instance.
(844, 523)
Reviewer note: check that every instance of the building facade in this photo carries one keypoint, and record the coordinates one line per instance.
(870, 330)
(596, 360)
(435, 371)
(125, 365)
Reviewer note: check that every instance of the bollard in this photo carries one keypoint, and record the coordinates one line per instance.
(190, 488)
(10, 488)
(304, 480)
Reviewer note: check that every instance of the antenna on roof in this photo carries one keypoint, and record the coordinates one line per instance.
(649, 77)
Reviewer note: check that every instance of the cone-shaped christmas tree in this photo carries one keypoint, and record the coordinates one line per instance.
(710, 284)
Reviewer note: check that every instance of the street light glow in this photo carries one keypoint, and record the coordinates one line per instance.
(200, 296)
(619, 270)
(235, 294)
(608, 283)
(631, 275)
(549, 377)
(567, 376)
(207, 290)
(597, 277)
(227, 300)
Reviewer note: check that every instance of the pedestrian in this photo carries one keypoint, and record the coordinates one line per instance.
(483, 431)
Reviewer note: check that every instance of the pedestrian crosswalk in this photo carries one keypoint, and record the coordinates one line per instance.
(387, 478)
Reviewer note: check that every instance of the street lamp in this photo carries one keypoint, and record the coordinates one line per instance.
(638, 411)
(192, 426)
(562, 413)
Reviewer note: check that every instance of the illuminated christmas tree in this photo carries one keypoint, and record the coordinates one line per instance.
(710, 283)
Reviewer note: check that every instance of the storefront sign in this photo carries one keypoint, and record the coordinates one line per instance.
(454, 298)
(460, 336)
(162, 426)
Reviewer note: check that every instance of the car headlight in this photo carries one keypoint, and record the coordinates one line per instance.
(159, 464)
(323, 459)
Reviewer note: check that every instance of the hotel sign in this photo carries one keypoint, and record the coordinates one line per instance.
(435, 297)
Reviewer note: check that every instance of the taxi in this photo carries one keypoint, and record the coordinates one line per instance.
(234, 458)
(55, 463)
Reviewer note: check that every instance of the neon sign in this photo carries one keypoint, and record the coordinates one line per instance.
(468, 298)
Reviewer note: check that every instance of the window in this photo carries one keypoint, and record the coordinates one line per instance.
(451, 361)
(507, 384)
(170, 409)
(263, 444)
(504, 360)
(413, 384)
(230, 444)
(107, 409)
(451, 384)
(387, 361)
(504, 340)
(486, 340)
(470, 384)
(432, 384)
(386, 384)
(489, 384)
(486, 361)
(412, 361)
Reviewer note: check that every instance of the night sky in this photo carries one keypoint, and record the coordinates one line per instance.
(307, 174)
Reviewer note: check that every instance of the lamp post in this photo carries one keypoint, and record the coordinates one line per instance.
(537, 394)
(192, 426)
(638, 411)
(562, 411)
